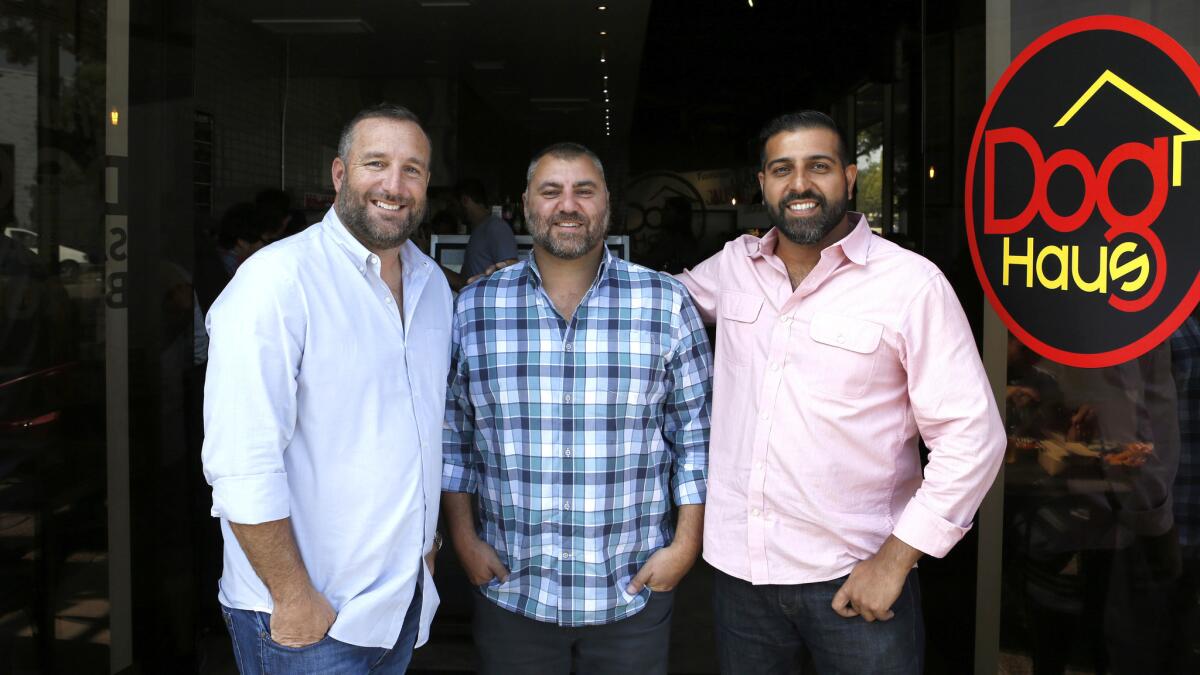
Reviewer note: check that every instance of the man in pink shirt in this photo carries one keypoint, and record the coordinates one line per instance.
(836, 349)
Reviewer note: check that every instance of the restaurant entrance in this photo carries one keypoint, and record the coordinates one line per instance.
(131, 130)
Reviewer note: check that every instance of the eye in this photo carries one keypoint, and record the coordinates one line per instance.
(781, 170)
(375, 164)
(584, 193)
(820, 166)
(413, 171)
(550, 194)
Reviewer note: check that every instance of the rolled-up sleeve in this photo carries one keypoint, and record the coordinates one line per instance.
(458, 432)
(956, 415)
(256, 334)
(688, 405)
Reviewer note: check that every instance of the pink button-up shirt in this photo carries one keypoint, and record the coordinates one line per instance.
(819, 397)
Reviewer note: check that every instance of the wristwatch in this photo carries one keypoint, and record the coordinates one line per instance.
(437, 540)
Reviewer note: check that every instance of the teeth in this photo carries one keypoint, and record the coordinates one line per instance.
(804, 206)
(387, 206)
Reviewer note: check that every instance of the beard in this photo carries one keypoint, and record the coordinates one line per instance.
(806, 230)
(567, 245)
(373, 231)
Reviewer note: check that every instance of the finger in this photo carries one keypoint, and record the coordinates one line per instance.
(498, 569)
(640, 580)
(868, 615)
(886, 615)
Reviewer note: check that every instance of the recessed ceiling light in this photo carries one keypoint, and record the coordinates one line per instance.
(601, 59)
(603, 33)
(601, 7)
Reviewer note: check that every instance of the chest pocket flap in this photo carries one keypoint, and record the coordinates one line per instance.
(740, 307)
(856, 335)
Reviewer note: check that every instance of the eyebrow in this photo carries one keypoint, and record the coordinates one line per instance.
(809, 158)
(376, 154)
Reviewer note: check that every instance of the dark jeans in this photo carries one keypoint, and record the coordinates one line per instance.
(257, 654)
(768, 630)
(511, 644)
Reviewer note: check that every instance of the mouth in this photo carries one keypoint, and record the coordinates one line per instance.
(387, 205)
(568, 224)
(803, 206)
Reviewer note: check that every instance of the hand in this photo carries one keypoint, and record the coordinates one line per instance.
(303, 620)
(1021, 396)
(480, 561)
(1083, 424)
(492, 269)
(431, 559)
(664, 569)
(876, 582)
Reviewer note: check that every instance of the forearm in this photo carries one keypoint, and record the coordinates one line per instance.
(271, 549)
(689, 529)
(897, 555)
(460, 520)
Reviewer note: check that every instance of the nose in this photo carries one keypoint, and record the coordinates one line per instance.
(798, 181)
(392, 181)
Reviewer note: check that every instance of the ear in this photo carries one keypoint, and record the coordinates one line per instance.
(338, 171)
(761, 187)
(851, 178)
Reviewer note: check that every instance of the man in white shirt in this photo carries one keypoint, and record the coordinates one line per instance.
(322, 415)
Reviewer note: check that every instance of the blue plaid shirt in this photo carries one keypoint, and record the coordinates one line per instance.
(577, 434)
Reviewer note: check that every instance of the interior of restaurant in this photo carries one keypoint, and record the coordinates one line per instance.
(129, 128)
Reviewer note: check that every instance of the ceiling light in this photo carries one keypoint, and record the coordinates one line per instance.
(603, 33)
(601, 7)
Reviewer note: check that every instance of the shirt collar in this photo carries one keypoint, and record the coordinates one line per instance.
(855, 245)
(411, 258)
(535, 277)
(359, 254)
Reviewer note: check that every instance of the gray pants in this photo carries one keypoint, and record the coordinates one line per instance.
(510, 644)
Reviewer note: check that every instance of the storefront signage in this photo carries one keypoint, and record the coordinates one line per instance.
(1083, 191)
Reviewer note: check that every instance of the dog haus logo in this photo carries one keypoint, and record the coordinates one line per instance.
(1083, 192)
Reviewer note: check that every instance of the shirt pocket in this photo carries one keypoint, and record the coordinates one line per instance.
(843, 353)
(736, 330)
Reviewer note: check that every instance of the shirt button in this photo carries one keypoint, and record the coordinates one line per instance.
(785, 318)
(569, 347)
(372, 259)
(388, 299)
(841, 339)
(764, 415)
(754, 513)
(566, 555)
(758, 465)
(566, 506)
(774, 366)
(567, 398)
(567, 452)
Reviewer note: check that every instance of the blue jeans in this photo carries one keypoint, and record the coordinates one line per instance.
(257, 654)
(769, 630)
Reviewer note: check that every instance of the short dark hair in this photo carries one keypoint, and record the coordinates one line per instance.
(473, 188)
(566, 150)
(389, 111)
(802, 119)
(246, 222)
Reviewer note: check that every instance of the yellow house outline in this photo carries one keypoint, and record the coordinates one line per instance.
(1190, 133)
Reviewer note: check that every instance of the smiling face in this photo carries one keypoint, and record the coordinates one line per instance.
(566, 206)
(805, 185)
(381, 182)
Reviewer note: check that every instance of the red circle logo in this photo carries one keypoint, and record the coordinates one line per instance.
(1083, 189)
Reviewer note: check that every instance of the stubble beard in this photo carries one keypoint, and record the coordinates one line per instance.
(806, 230)
(375, 235)
(569, 247)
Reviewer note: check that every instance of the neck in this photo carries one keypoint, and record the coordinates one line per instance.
(806, 256)
(559, 274)
(478, 215)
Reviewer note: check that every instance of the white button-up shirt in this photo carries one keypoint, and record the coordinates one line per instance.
(323, 405)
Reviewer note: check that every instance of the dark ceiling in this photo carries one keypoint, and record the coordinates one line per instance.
(690, 80)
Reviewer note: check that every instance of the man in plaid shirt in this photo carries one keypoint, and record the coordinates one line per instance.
(578, 412)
